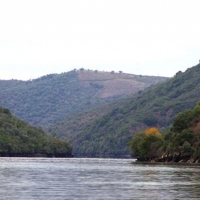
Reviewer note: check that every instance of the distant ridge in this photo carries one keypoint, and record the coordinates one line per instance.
(48, 99)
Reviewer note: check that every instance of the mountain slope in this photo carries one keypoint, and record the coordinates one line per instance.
(18, 138)
(48, 99)
(107, 131)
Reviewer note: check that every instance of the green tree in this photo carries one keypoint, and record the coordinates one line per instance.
(146, 145)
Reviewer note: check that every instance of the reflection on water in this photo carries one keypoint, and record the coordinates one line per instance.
(95, 179)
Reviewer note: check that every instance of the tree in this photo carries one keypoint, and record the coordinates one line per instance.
(134, 143)
(182, 121)
(145, 145)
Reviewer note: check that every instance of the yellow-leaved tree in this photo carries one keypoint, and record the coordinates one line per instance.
(153, 131)
(146, 145)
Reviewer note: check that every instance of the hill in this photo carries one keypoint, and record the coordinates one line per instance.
(48, 99)
(18, 138)
(107, 130)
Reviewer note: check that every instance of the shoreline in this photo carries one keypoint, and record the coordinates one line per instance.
(163, 163)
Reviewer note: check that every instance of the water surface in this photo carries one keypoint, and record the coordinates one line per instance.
(95, 179)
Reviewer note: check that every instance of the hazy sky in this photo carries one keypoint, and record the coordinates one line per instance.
(150, 37)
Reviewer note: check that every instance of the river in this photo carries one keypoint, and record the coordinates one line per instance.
(95, 179)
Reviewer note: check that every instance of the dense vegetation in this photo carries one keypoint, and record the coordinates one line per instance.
(180, 143)
(18, 138)
(48, 99)
(107, 129)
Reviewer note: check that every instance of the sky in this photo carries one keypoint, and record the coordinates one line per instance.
(148, 37)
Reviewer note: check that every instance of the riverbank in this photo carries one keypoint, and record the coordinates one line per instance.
(35, 155)
(169, 160)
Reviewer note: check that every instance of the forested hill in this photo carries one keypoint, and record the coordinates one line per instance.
(107, 130)
(48, 99)
(18, 138)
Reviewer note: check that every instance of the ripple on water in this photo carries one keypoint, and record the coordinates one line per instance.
(95, 179)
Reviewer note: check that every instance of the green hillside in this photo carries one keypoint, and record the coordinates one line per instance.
(107, 130)
(48, 99)
(18, 138)
(181, 143)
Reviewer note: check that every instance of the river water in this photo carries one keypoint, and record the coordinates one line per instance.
(95, 179)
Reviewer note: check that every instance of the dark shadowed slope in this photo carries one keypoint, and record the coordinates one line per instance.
(18, 138)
